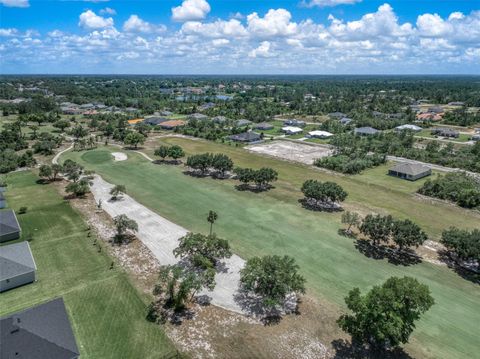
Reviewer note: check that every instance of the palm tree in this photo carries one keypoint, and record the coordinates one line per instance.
(212, 217)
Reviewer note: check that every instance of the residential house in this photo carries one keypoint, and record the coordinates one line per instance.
(171, 125)
(292, 130)
(242, 123)
(320, 134)
(198, 117)
(294, 122)
(9, 227)
(264, 126)
(3, 201)
(155, 121)
(17, 264)
(410, 171)
(337, 115)
(345, 121)
(408, 127)
(249, 137)
(366, 131)
(444, 132)
(42, 331)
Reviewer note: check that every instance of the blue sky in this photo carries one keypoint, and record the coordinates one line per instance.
(240, 37)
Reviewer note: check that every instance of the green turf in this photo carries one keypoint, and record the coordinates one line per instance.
(274, 222)
(106, 311)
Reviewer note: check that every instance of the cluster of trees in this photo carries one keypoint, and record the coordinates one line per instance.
(323, 195)
(463, 244)
(386, 229)
(460, 188)
(46, 143)
(384, 318)
(218, 164)
(403, 145)
(11, 141)
(272, 278)
(11, 160)
(262, 177)
(134, 139)
(351, 164)
(178, 284)
(461, 117)
(175, 152)
(80, 179)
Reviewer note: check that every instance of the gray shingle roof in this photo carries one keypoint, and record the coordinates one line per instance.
(39, 332)
(366, 130)
(16, 259)
(246, 137)
(8, 222)
(412, 169)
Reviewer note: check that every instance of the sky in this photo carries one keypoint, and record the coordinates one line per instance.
(239, 37)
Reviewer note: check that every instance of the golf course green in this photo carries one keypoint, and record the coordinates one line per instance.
(275, 223)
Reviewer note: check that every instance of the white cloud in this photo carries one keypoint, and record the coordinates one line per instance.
(219, 28)
(136, 24)
(8, 32)
(220, 42)
(325, 3)
(382, 23)
(263, 50)
(274, 23)
(90, 20)
(432, 25)
(15, 3)
(108, 11)
(191, 10)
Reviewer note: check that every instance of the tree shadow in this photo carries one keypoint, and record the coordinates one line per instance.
(254, 189)
(466, 273)
(254, 306)
(196, 173)
(344, 233)
(167, 162)
(320, 207)
(124, 239)
(42, 181)
(405, 257)
(346, 350)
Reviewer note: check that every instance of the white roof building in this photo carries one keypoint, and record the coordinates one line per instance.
(320, 134)
(291, 130)
(408, 127)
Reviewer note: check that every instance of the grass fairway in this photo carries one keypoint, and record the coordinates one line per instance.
(274, 222)
(106, 311)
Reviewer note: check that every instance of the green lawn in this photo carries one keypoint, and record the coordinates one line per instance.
(106, 311)
(274, 222)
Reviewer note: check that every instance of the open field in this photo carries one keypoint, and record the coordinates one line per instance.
(107, 313)
(292, 151)
(274, 222)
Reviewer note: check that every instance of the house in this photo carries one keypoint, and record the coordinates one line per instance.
(395, 116)
(294, 122)
(9, 227)
(366, 131)
(475, 138)
(408, 128)
(444, 132)
(166, 113)
(246, 137)
(337, 115)
(429, 116)
(320, 134)
(456, 103)
(220, 119)
(243, 122)
(410, 171)
(42, 331)
(377, 114)
(18, 266)
(155, 121)
(477, 130)
(345, 121)
(291, 130)
(435, 109)
(135, 121)
(264, 126)
(198, 117)
(3, 202)
(171, 125)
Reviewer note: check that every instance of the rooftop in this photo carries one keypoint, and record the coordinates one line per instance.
(412, 169)
(16, 259)
(42, 331)
(8, 222)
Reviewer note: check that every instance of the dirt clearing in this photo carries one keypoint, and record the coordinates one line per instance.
(292, 151)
